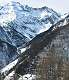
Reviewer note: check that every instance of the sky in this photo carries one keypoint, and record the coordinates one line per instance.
(61, 6)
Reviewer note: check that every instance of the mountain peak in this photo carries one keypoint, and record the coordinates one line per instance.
(26, 21)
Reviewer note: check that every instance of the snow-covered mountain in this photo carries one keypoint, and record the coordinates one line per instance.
(22, 23)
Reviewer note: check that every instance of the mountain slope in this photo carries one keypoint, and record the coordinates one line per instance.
(20, 24)
(23, 23)
(27, 58)
(51, 45)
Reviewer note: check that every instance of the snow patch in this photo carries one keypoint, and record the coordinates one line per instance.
(45, 28)
(63, 16)
(7, 15)
(28, 77)
(23, 50)
(8, 67)
(10, 76)
(65, 22)
(43, 14)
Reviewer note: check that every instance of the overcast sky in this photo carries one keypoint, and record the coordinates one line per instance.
(61, 6)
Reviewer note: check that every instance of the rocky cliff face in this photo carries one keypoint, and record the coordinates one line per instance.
(54, 58)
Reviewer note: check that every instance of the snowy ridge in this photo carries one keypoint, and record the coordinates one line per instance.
(8, 67)
(62, 22)
(10, 76)
(26, 21)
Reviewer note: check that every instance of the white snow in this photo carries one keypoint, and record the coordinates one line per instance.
(45, 28)
(63, 16)
(10, 76)
(23, 50)
(28, 77)
(65, 22)
(43, 14)
(9, 66)
(7, 15)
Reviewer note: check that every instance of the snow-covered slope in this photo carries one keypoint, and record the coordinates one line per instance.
(22, 23)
